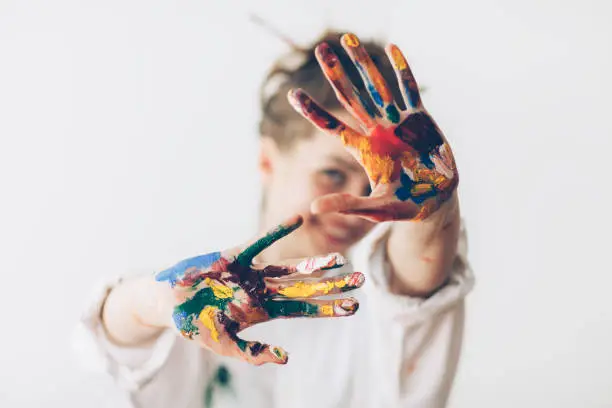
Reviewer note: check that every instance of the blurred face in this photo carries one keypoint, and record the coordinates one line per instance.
(292, 179)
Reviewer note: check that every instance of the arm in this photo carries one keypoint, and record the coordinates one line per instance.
(408, 160)
(421, 253)
(414, 343)
(211, 298)
(137, 311)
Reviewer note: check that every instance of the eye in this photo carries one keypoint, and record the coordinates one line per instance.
(334, 177)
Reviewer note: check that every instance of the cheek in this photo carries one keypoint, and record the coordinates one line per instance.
(304, 188)
(317, 190)
(293, 194)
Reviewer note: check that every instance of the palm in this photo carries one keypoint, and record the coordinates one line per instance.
(221, 293)
(408, 161)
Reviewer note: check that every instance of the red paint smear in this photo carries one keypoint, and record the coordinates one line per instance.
(190, 277)
(384, 142)
(220, 265)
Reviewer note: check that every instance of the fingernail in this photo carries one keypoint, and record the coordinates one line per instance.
(345, 307)
(325, 262)
(327, 55)
(356, 280)
(280, 353)
(340, 260)
(351, 40)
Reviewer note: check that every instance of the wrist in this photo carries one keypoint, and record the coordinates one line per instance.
(420, 252)
(418, 235)
(153, 303)
(136, 311)
(445, 214)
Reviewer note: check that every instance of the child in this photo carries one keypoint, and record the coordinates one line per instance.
(375, 158)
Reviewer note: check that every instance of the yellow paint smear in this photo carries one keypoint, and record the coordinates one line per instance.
(352, 139)
(303, 289)
(440, 180)
(379, 168)
(221, 291)
(327, 310)
(207, 317)
(398, 58)
(340, 284)
(351, 40)
(419, 189)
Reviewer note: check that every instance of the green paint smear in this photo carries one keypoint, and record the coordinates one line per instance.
(208, 394)
(393, 114)
(203, 298)
(185, 325)
(191, 308)
(290, 308)
(241, 343)
(246, 256)
(222, 378)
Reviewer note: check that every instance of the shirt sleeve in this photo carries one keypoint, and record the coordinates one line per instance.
(155, 375)
(413, 344)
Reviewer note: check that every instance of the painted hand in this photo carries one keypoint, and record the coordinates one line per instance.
(409, 163)
(222, 293)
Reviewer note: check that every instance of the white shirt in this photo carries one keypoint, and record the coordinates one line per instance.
(396, 351)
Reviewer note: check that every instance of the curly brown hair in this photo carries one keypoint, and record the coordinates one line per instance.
(279, 120)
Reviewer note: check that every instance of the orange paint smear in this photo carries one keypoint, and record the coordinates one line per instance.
(361, 57)
(379, 154)
(343, 88)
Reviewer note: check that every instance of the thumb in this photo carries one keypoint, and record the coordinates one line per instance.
(373, 208)
(252, 352)
(335, 203)
(347, 203)
(258, 353)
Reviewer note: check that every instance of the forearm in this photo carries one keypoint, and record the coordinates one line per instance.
(137, 311)
(421, 253)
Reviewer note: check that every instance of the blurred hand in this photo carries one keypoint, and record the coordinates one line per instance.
(221, 293)
(409, 163)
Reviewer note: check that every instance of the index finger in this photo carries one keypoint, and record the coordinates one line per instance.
(374, 81)
(322, 119)
(347, 93)
(245, 257)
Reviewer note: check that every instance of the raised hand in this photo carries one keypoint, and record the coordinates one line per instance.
(221, 293)
(409, 163)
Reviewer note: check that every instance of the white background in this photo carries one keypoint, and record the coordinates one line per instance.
(128, 138)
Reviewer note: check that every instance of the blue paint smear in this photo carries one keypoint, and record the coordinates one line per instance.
(403, 193)
(375, 95)
(177, 271)
(369, 85)
(426, 160)
(367, 104)
(179, 318)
